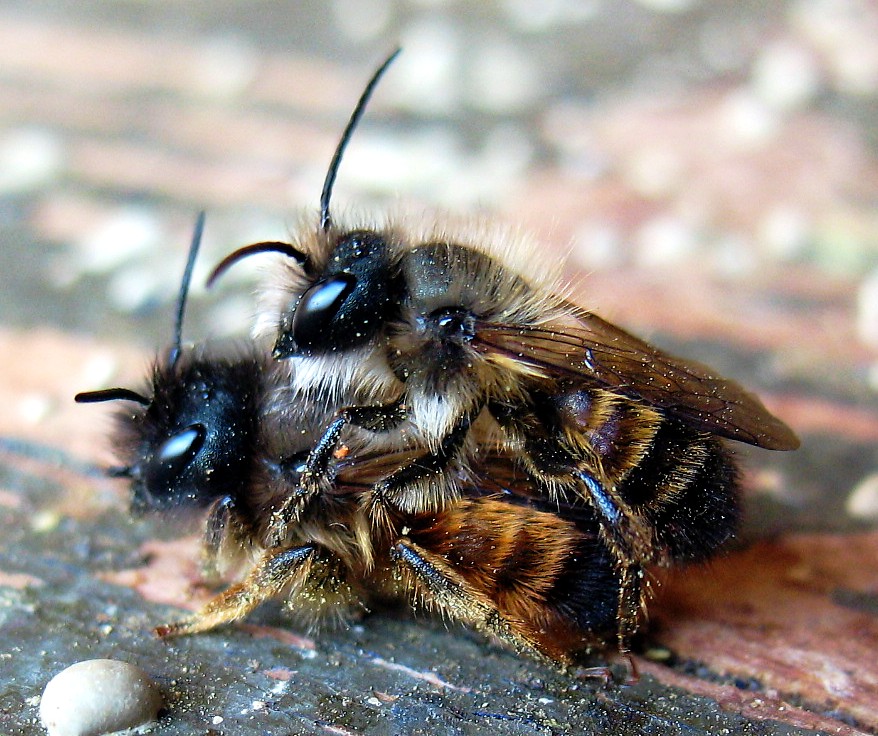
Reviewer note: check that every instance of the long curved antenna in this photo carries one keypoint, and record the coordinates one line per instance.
(110, 394)
(176, 346)
(268, 246)
(326, 195)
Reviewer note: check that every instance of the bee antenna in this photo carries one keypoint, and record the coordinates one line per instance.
(269, 246)
(326, 195)
(110, 394)
(174, 353)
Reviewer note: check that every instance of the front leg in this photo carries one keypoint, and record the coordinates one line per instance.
(226, 532)
(381, 418)
(418, 486)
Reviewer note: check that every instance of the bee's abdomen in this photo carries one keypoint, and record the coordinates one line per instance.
(552, 581)
(686, 486)
(681, 480)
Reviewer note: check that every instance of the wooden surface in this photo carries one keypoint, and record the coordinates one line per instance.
(723, 223)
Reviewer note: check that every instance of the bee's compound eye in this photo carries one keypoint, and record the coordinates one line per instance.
(173, 457)
(452, 322)
(318, 307)
(182, 447)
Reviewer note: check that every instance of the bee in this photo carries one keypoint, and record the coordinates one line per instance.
(191, 438)
(460, 352)
(213, 430)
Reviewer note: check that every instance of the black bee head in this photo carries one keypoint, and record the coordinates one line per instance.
(346, 306)
(349, 298)
(195, 440)
(191, 437)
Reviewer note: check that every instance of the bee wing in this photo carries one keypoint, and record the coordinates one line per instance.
(598, 353)
(363, 470)
(490, 473)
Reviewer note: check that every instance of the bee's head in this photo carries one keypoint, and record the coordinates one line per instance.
(193, 439)
(190, 438)
(348, 297)
(346, 305)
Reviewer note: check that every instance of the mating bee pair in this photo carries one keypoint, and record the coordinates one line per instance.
(421, 420)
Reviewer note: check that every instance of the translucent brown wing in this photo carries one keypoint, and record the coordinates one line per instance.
(491, 472)
(600, 354)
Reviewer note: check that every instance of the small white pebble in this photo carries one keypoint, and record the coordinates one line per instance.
(654, 172)
(45, 521)
(598, 244)
(665, 240)
(733, 257)
(224, 66)
(503, 78)
(131, 289)
(746, 122)
(784, 232)
(119, 239)
(428, 78)
(785, 75)
(98, 696)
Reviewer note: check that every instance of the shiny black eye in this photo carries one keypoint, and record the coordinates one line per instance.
(173, 457)
(182, 447)
(452, 323)
(318, 307)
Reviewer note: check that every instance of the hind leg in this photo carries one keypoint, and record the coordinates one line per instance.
(276, 570)
(448, 592)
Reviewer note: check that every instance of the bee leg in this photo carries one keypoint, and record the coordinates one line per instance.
(224, 526)
(625, 531)
(631, 604)
(550, 462)
(275, 570)
(626, 534)
(451, 594)
(379, 418)
(409, 489)
(631, 541)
